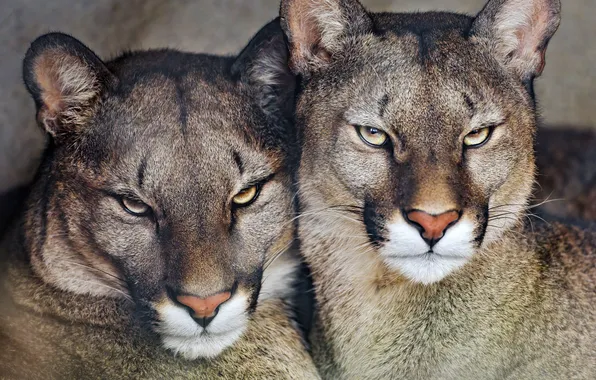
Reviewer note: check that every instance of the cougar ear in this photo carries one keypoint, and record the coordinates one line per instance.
(263, 64)
(66, 80)
(518, 32)
(317, 30)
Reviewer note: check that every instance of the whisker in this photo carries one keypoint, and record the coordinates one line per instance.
(502, 217)
(496, 215)
(506, 205)
(530, 220)
(519, 234)
(545, 202)
(128, 297)
(536, 216)
(277, 254)
(95, 269)
(334, 208)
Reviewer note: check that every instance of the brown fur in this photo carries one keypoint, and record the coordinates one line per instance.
(520, 301)
(491, 321)
(55, 335)
(90, 289)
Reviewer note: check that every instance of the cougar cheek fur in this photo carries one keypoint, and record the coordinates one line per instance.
(156, 238)
(416, 168)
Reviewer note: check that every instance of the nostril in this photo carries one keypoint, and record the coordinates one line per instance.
(204, 307)
(432, 227)
(413, 220)
(203, 310)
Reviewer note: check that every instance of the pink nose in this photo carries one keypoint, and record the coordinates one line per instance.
(433, 226)
(204, 307)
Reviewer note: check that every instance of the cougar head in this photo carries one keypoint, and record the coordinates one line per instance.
(166, 181)
(422, 124)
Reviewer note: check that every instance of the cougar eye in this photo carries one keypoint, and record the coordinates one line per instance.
(246, 196)
(372, 136)
(134, 207)
(477, 137)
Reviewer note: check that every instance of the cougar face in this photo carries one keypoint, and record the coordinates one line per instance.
(167, 182)
(419, 124)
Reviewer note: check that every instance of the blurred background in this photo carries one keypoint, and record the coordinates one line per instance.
(566, 91)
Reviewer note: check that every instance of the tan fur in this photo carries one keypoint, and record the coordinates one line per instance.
(504, 297)
(47, 334)
(132, 222)
(503, 306)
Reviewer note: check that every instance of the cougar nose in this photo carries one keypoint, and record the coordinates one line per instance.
(204, 309)
(432, 227)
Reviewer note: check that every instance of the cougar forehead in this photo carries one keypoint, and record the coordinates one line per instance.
(416, 67)
(183, 133)
(424, 86)
(184, 141)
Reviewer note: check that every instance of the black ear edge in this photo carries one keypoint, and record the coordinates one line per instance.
(263, 63)
(269, 34)
(70, 46)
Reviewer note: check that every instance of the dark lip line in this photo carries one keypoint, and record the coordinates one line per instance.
(201, 334)
(424, 254)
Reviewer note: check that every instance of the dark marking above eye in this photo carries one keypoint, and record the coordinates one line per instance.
(181, 100)
(239, 162)
(141, 171)
(426, 45)
(426, 41)
(383, 105)
(470, 104)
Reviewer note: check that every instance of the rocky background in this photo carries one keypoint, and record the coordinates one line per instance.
(566, 91)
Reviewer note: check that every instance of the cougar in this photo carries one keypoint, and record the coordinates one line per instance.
(416, 168)
(155, 237)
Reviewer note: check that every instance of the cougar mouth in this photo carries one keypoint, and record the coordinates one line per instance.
(410, 254)
(181, 332)
(175, 319)
(427, 255)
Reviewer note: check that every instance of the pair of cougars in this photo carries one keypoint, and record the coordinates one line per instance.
(156, 241)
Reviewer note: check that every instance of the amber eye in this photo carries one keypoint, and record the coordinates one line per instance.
(372, 136)
(477, 137)
(246, 196)
(134, 207)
